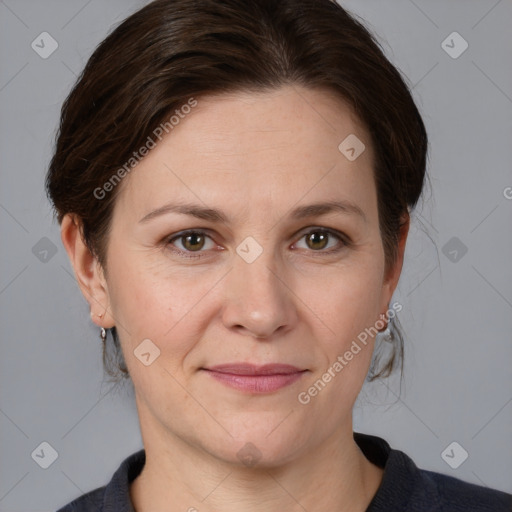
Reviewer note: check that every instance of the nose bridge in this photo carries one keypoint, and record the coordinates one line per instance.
(256, 297)
(256, 267)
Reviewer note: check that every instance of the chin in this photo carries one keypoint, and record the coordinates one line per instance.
(261, 447)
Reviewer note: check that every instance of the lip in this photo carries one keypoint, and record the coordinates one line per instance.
(252, 369)
(255, 379)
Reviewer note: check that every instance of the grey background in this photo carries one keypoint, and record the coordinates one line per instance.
(457, 310)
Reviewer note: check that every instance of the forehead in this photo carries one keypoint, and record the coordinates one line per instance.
(290, 115)
(255, 150)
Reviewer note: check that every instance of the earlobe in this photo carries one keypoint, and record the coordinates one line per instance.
(391, 280)
(88, 272)
(404, 231)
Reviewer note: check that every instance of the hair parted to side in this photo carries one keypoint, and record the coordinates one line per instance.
(172, 50)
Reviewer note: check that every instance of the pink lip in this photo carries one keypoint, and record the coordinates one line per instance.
(255, 379)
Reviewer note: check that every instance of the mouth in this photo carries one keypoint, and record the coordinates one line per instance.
(255, 379)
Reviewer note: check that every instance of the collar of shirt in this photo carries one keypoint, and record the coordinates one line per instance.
(404, 486)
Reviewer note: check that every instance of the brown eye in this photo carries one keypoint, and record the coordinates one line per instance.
(193, 242)
(324, 241)
(317, 240)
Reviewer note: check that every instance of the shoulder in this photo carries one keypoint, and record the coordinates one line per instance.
(454, 495)
(430, 491)
(115, 496)
(404, 486)
(92, 500)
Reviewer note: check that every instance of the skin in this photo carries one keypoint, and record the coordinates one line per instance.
(254, 156)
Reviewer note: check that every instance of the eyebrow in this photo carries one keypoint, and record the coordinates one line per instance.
(213, 215)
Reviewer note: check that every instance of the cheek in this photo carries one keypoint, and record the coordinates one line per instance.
(158, 302)
(346, 301)
(349, 308)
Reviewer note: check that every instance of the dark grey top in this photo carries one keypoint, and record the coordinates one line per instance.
(404, 486)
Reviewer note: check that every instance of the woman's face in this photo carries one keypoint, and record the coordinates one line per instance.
(263, 286)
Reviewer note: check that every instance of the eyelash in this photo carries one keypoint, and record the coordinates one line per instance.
(190, 255)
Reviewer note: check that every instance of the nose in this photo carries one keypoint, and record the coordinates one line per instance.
(258, 301)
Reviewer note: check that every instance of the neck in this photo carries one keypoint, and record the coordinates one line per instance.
(332, 476)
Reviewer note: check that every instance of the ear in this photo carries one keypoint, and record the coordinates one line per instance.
(88, 272)
(393, 275)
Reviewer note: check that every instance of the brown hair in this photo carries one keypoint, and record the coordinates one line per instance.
(172, 50)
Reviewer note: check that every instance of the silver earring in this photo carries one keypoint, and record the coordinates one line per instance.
(386, 333)
(103, 334)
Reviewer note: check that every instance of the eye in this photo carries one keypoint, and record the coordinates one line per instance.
(194, 241)
(191, 241)
(318, 239)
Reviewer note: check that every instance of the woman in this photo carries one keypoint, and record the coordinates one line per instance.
(234, 183)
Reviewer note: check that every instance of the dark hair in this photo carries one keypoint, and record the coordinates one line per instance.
(172, 50)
